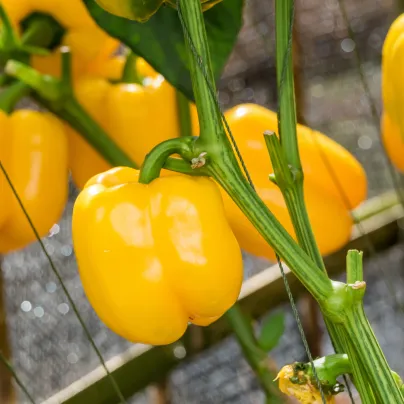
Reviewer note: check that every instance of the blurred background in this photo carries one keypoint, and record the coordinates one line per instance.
(48, 347)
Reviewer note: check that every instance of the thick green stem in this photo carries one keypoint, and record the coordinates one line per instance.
(41, 30)
(12, 94)
(200, 67)
(364, 345)
(290, 182)
(157, 157)
(354, 268)
(284, 74)
(223, 165)
(184, 114)
(256, 357)
(359, 373)
(293, 191)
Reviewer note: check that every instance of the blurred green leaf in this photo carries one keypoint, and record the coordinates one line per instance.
(271, 331)
(161, 43)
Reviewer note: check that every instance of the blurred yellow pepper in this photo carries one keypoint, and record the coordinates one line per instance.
(148, 255)
(33, 151)
(89, 45)
(327, 208)
(392, 122)
(137, 117)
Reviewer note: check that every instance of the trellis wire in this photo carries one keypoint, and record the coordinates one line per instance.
(202, 67)
(11, 369)
(69, 298)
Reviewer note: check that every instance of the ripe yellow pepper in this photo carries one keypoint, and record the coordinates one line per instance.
(142, 10)
(88, 43)
(392, 122)
(148, 255)
(33, 150)
(136, 116)
(327, 209)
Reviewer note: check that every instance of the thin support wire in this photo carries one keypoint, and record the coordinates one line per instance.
(69, 298)
(202, 67)
(10, 368)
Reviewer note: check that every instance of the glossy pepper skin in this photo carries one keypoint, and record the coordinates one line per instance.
(148, 255)
(33, 150)
(328, 211)
(88, 43)
(392, 122)
(136, 116)
(142, 10)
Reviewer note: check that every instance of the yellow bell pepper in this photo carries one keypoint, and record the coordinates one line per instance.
(327, 209)
(392, 122)
(137, 117)
(148, 255)
(89, 44)
(33, 150)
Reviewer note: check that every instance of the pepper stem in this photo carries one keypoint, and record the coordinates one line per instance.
(12, 94)
(41, 30)
(156, 159)
(130, 73)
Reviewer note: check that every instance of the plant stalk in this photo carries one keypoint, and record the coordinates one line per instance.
(255, 356)
(130, 74)
(363, 344)
(222, 163)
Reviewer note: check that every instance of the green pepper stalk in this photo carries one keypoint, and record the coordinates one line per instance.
(284, 154)
(222, 163)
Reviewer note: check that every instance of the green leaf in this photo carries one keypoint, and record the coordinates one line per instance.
(160, 40)
(271, 331)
